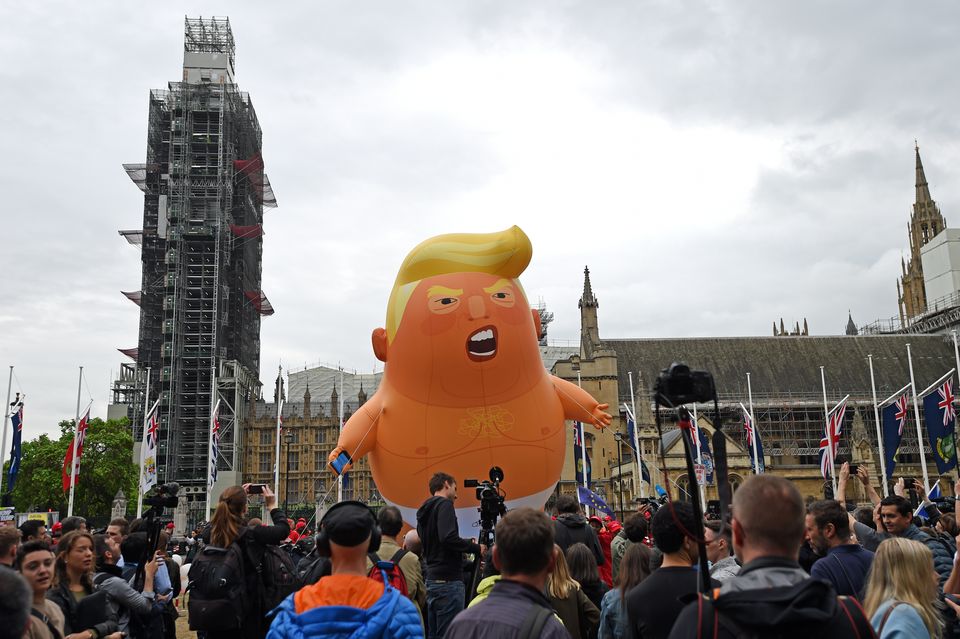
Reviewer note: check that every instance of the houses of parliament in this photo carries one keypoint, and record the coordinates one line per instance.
(785, 379)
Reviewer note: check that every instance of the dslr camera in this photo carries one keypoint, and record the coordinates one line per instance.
(165, 497)
(679, 385)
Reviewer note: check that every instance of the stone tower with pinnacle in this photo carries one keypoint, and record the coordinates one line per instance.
(589, 329)
(925, 222)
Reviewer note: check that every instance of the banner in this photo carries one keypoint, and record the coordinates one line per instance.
(894, 420)
(701, 440)
(16, 408)
(579, 456)
(148, 453)
(940, 417)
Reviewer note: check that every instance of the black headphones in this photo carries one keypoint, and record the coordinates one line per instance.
(323, 541)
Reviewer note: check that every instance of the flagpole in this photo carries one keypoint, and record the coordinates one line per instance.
(6, 422)
(755, 427)
(340, 415)
(876, 417)
(703, 488)
(211, 460)
(73, 460)
(826, 430)
(916, 412)
(638, 454)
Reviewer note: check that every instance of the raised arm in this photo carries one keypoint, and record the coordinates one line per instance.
(580, 405)
(843, 475)
(863, 474)
(359, 434)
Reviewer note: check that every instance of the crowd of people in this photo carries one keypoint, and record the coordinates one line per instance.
(779, 567)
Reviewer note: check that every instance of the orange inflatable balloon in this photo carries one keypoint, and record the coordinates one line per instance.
(464, 388)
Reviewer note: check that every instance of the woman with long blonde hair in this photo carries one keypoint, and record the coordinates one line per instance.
(73, 583)
(579, 615)
(902, 591)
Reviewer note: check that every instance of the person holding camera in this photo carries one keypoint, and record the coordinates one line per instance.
(443, 549)
(227, 527)
(124, 600)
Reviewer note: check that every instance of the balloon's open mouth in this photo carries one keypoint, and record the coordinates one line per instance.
(482, 344)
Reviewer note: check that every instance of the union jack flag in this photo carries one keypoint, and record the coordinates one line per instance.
(901, 413)
(946, 402)
(152, 431)
(831, 440)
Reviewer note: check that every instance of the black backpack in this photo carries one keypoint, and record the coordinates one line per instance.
(276, 575)
(312, 567)
(218, 595)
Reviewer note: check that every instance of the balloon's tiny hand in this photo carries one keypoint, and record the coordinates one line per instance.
(601, 417)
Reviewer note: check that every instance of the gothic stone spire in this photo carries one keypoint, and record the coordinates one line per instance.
(587, 299)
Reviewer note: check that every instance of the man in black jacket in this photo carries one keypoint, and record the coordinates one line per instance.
(571, 527)
(772, 596)
(443, 550)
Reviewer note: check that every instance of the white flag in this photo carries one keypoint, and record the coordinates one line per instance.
(148, 453)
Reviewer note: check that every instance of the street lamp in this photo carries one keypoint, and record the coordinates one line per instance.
(619, 437)
(286, 493)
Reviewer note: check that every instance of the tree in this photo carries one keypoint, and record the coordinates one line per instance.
(105, 467)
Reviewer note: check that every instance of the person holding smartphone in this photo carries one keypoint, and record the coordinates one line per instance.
(228, 526)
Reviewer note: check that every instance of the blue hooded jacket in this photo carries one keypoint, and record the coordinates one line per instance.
(393, 616)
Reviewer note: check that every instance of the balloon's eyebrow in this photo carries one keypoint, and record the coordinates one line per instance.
(498, 285)
(443, 290)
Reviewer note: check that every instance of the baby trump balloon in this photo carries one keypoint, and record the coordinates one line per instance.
(464, 388)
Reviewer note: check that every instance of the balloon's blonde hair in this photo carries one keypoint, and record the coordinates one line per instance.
(504, 253)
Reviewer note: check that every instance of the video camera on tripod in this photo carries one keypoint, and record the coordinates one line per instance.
(491, 508)
(491, 502)
(165, 497)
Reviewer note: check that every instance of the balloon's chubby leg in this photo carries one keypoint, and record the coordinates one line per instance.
(579, 405)
(359, 434)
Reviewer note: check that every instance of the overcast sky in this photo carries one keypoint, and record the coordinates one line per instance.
(718, 165)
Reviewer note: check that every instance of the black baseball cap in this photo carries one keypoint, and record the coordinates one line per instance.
(348, 523)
